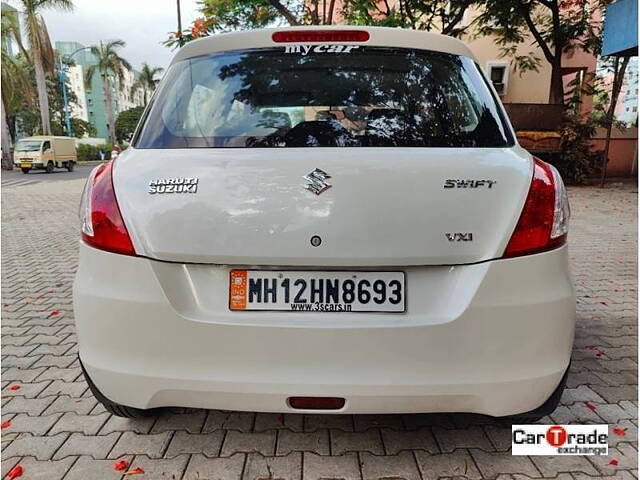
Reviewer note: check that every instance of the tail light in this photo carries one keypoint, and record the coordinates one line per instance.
(102, 224)
(544, 221)
(294, 36)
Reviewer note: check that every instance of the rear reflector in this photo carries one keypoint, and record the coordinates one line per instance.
(316, 403)
(298, 36)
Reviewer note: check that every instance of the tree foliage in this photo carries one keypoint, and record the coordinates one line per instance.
(88, 152)
(556, 27)
(127, 122)
(110, 65)
(79, 128)
(441, 16)
(20, 99)
(552, 27)
(18, 88)
(41, 51)
(227, 15)
(147, 81)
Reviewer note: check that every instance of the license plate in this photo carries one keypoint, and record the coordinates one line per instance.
(25, 165)
(312, 291)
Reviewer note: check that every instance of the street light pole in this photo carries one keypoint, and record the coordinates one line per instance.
(63, 80)
(180, 40)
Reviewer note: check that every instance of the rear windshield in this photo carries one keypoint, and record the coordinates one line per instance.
(324, 96)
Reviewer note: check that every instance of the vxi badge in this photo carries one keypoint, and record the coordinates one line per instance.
(559, 439)
(459, 237)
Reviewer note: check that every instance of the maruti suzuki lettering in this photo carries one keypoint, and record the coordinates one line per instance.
(333, 220)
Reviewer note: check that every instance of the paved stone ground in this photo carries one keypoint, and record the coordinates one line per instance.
(57, 429)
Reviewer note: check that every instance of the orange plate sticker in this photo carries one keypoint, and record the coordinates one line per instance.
(238, 290)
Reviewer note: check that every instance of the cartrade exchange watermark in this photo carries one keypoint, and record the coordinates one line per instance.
(559, 439)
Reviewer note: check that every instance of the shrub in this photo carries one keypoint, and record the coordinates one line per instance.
(577, 162)
(127, 122)
(88, 152)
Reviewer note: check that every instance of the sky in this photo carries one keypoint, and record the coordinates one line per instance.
(142, 24)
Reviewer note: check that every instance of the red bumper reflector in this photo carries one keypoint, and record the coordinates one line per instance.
(320, 36)
(316, 403)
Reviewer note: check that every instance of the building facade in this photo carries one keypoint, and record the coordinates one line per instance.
(91, 99)
(629, 111)
(75, 76)
(123, 96)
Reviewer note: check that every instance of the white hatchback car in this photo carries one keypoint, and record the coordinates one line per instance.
(325, 220)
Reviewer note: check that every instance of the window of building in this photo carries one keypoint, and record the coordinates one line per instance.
(499, 75)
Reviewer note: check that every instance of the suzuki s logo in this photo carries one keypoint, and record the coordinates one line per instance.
(317, 182)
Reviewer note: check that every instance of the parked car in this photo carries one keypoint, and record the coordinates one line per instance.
(45, 153)
(333, 220)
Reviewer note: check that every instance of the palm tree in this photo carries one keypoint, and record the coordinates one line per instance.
(109, 65)
(147, 81)
(17, 89)
(17, 92)
(42, 53)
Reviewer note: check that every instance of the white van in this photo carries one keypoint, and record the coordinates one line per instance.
(45, 153)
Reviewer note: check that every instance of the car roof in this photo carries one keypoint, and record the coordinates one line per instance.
(379, 36)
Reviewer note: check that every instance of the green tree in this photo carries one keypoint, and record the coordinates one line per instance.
(127, 122)
(442, 16)
(16, 91)
(110, 65)
(227, 15)
(556, 26)
(22, 104)
(41, 51)
(147, 81)
(79, 128)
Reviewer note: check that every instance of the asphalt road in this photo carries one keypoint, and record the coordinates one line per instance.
(15, 177)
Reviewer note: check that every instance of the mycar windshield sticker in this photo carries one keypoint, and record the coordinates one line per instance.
(303, 50)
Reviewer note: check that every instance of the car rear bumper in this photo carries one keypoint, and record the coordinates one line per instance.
(492, 338)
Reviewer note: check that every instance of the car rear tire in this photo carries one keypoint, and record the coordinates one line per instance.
(70, 166)
(125, 412)
(116, 408)
(26, 170)
(50, 167)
